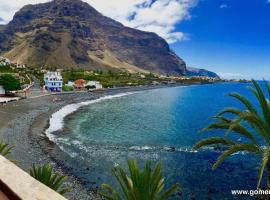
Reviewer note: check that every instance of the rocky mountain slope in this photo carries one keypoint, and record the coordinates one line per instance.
(192, 71)
(72, 34)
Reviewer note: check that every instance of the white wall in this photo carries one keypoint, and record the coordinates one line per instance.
(2, 91)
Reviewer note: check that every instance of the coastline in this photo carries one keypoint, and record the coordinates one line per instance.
(23, 124)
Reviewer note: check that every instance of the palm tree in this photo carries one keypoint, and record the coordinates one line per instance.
(5, 148)
(250, 123)
(140, 185)
(45, 175)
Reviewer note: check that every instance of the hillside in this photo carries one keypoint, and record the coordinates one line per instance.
(191, 71)
(72, 34)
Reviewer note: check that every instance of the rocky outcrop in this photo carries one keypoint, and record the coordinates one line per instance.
(191, 71)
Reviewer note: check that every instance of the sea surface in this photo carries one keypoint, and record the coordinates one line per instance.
(157, 125)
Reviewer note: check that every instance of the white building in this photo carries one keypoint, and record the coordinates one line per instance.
(53, 81)
(94, 84)
(70, 84)
(4, 61)
(2, 91)
(20, 66)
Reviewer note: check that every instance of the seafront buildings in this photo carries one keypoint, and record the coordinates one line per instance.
(2, 91)
(53, 81)
(94, 85)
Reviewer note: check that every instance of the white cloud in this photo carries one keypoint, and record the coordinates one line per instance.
(8, 8)
(222, 6)
(159, 16)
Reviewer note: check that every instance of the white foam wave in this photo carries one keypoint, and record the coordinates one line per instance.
(165, 148)
(138, 148)
(57, 119)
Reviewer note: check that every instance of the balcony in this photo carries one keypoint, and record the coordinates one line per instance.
(16, 184)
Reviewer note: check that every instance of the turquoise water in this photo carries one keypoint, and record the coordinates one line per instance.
(158, 125)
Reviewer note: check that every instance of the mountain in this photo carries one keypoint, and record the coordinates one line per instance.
(191, 71)
(72, 34)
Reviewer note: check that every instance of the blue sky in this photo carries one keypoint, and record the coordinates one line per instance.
(231, 37)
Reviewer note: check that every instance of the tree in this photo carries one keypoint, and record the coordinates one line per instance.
(250, 123)
(9, 82)
(140, 185)
(45, 175)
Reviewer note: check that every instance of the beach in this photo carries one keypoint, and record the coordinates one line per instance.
(23, 124)
(161, 124)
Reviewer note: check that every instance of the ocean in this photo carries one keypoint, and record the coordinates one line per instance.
(158, 125)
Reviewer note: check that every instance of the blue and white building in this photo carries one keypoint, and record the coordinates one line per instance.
(53, 81)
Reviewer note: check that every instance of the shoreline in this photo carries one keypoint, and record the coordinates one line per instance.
(58, 156)
(36, 146)
(23, 124)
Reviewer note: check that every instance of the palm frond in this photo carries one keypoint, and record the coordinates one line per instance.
(231, 126)
(45, 175)
(252, 123)
(233, 111)
(234, 149)
(265, 159)
(256, 123)
(169, 192)
(109, 193)
(213, 141)
(5, 149)
(268, 87)
(244, 101)
(146, 184)
(258, 92)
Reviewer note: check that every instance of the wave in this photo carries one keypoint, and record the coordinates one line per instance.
(165, 148)
(56, 122)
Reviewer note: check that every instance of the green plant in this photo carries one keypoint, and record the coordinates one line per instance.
(251, 123)
(140, 185)
(45, 175)
(9, 82)
(67, 88)
(5, 148)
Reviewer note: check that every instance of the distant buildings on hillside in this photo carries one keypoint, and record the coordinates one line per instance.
(53, 81)
(94, 85)
(79, 84)
(4, 61)
(82, 84)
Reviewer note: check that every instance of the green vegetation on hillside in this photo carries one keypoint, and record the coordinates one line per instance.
(107, 79)
(9, 82)
(22, 73)
(113, 79)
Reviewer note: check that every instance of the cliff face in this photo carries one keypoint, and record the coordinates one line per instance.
(72, 34)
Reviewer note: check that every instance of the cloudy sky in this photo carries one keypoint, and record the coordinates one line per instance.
(227, 36)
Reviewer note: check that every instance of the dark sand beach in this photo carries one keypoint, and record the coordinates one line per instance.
(23, 124)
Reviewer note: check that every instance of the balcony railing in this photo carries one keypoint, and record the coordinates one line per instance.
(16, 184)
